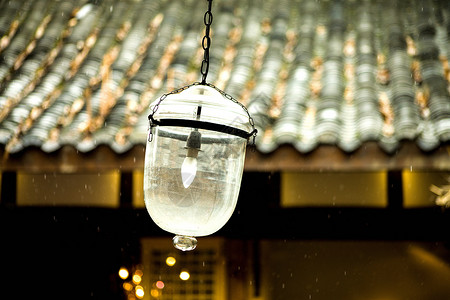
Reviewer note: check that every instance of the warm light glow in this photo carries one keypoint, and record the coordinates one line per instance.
(353, 189)
(123, 273)
(137, 279)
(184, 275)
(159, 284)
(154, 293)
(96, 189)
(139, 292)
(188, 171)
(416, 187)
(127, 286)
(170, 261)
(425, 257)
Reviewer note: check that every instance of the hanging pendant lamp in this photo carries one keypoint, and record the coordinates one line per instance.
(194, 156)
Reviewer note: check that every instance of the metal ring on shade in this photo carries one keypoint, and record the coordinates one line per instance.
(201, 125)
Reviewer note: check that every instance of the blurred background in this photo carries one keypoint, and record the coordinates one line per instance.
(344, 195)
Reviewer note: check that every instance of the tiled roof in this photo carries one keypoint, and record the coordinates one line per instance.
(83, 73)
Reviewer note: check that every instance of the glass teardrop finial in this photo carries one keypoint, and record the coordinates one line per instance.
(184, 243)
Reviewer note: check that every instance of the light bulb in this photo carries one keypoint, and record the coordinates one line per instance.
(188, 170)
(189, 166)
(123, 273)
(184, 275)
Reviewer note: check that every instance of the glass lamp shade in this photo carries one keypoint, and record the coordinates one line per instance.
(194, 162)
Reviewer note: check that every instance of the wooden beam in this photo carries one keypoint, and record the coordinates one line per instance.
(70, 160)
(325, 158)
(367, 158)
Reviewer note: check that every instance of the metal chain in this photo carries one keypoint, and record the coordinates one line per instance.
(250, 119)
(161, 99)
(206, 42)
(206, 45)
(227, 96)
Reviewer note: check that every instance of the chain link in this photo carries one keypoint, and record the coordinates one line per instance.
(206, 45)
(177, 91)
(155, 108)
(206, 42)
(250, 119)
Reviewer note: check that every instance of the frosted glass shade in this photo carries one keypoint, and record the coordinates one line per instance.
(192, 175)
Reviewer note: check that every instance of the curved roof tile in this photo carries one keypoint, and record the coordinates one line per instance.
(83, 73)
